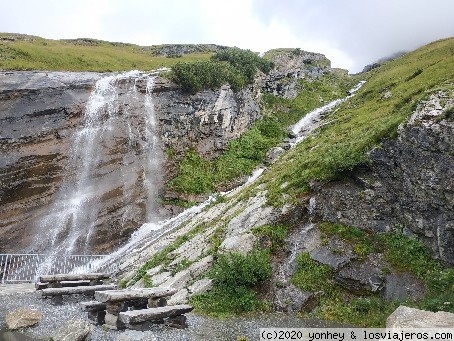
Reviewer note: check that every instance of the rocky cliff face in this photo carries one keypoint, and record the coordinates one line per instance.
(292, 66)
(42, 112)
(409, 185)
(38, 112)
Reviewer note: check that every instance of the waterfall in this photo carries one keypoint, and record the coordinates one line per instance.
(115, 154)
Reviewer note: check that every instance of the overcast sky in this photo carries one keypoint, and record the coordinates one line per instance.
(351, 33)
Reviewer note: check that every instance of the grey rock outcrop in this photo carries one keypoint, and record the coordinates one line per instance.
(291, 65)
(409, 185)
(206, 121)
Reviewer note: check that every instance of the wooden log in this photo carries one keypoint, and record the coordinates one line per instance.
(73, 277)
(150, 314)
(92, 306)
(132, 294)
(85, 290)
(62, 284)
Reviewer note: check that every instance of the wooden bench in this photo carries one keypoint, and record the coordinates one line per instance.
(118, 301)
(68, 280)
(172, 316)
(57, 293)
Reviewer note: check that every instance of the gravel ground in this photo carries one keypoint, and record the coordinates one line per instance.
(200, 327)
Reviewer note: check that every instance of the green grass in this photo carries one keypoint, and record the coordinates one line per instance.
(199, 176)
(363, 122)
(59, 55)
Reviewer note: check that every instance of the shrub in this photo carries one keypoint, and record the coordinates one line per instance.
(233, 66)
(235, 270)
(234, 277)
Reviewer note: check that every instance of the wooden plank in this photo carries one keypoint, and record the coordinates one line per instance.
(92, 306)
(133, 294)
(88, 290)
(73, 277)
(44, 285)
(143, 315)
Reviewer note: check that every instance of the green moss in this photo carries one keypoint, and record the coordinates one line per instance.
(313, 276)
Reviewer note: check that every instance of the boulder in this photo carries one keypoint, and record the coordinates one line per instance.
(400, 286)
(22, 318)
(360, 277)
(406, 317)
(291, 299)
(74, 330)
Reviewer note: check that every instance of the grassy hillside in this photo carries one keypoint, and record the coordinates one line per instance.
(387, 99)
(21, 52)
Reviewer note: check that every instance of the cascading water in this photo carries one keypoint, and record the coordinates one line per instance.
(115, 155)
(147, 235)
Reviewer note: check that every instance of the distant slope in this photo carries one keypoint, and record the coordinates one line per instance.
(24, 52)
(390, 94)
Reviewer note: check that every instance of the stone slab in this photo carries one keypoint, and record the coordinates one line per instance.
(139, 316)
(131, 294)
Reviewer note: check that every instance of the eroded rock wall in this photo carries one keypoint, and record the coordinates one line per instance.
(410, 184)
(38, 113)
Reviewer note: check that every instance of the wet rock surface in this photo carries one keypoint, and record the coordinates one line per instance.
(38, 112)
(408, 186)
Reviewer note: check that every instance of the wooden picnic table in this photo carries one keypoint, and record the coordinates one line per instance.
(122, 308)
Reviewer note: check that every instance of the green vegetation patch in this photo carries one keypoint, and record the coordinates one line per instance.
(234, 66)
(234, 278)
(274, 234)
(34, 53)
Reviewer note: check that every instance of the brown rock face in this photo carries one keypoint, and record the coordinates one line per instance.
(81, 153)
(75, 163)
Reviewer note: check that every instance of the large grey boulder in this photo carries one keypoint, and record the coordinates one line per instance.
(406, 317)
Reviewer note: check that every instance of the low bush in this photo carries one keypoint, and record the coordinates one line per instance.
(234, 278)
(232, 66)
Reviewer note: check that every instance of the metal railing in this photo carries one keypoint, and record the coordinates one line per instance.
(17, 268)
